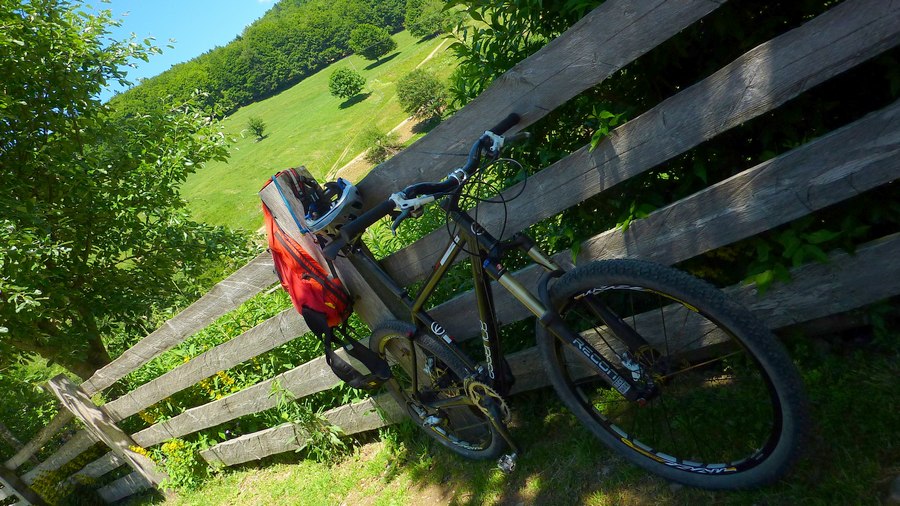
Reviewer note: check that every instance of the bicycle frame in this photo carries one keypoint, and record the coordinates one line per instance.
(486, 253)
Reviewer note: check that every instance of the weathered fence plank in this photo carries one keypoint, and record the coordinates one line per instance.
(307, 379)
(603, 42)
(124, 487)
(12, 486)
(846, 282)
(78, 444)
(835, 167)
(352, 419)
(99, 467)
(99, 423)
(30, 448)
(269, 334)
(225, 296)
(755, 83)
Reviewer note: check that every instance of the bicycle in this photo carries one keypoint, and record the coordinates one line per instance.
(658, 365)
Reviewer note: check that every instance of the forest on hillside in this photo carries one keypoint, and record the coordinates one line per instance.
(294, 40)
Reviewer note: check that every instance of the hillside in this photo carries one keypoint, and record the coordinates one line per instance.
(305, 125)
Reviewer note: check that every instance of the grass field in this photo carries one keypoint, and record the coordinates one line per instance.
(305, 125)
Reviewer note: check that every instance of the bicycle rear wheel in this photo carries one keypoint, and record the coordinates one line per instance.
(729, 410)
(462, 427)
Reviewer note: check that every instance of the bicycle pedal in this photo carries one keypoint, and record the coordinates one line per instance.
(507, 463)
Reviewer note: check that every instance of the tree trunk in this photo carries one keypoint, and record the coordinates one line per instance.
(84, 369)
(9, 438)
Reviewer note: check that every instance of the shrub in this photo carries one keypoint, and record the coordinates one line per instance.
(371, 42)
(345, 83)
(421, 95)
(257, 126)
(381, 146)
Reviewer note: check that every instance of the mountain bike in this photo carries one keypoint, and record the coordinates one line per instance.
(660, 366)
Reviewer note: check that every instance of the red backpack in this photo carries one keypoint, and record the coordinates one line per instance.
(314, 287)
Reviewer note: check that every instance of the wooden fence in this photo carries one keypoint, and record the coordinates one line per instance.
(840, 165)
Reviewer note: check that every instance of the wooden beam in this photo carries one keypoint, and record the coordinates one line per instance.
(362, 416)
(59, 421)
(604, 41)
(102, 427)
(98, 468)
(225, 296)
(124, 487)
(78, 444)
(269, 334)
(12, 486)
(757, 82)
(306, 379)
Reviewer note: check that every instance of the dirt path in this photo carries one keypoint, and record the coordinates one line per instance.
(358, 167)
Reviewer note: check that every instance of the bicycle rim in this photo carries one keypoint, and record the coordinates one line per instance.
(462, 428)
(716, 411)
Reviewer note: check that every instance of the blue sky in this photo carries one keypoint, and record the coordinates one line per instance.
(196, 26)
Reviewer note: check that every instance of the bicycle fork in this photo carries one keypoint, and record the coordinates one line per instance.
(625, 382)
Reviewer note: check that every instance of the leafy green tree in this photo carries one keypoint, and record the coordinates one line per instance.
(345, 83)
(371, 42)
(92, 226)
(421, 94)
(428, 17)
(257, 126)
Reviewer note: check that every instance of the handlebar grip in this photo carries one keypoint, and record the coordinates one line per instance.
(352, 229)
(507, 123)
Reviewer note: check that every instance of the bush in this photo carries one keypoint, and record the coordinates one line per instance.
(345, 83)
(421, 95)
(371, 42)
(381, 146)
(257, 126)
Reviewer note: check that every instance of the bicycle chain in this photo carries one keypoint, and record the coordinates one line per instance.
(477, 391)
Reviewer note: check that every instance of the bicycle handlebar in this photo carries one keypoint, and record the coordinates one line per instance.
(506, 123)
(351, 230)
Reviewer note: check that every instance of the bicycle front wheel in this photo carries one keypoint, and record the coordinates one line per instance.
(727, 410)
(460, 426)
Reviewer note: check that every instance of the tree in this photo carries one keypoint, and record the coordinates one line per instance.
(345, 83)
(421, 94)
(92, 226)
(257, 126)
(428, 17)
(371, 42)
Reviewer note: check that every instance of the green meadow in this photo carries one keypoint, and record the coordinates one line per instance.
(305, 125)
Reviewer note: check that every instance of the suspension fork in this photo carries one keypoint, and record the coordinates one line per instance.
(542, 308)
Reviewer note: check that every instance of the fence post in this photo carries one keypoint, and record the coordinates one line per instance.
(101, 425)
(11, 485)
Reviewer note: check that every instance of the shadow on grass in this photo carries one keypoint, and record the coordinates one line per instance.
(851, 457)
(426, 125)
(350, 102)
(426, 38)
(386, 59)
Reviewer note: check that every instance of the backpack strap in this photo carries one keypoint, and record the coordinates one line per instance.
(380, 370)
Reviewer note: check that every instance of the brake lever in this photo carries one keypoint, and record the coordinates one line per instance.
(400, 217)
